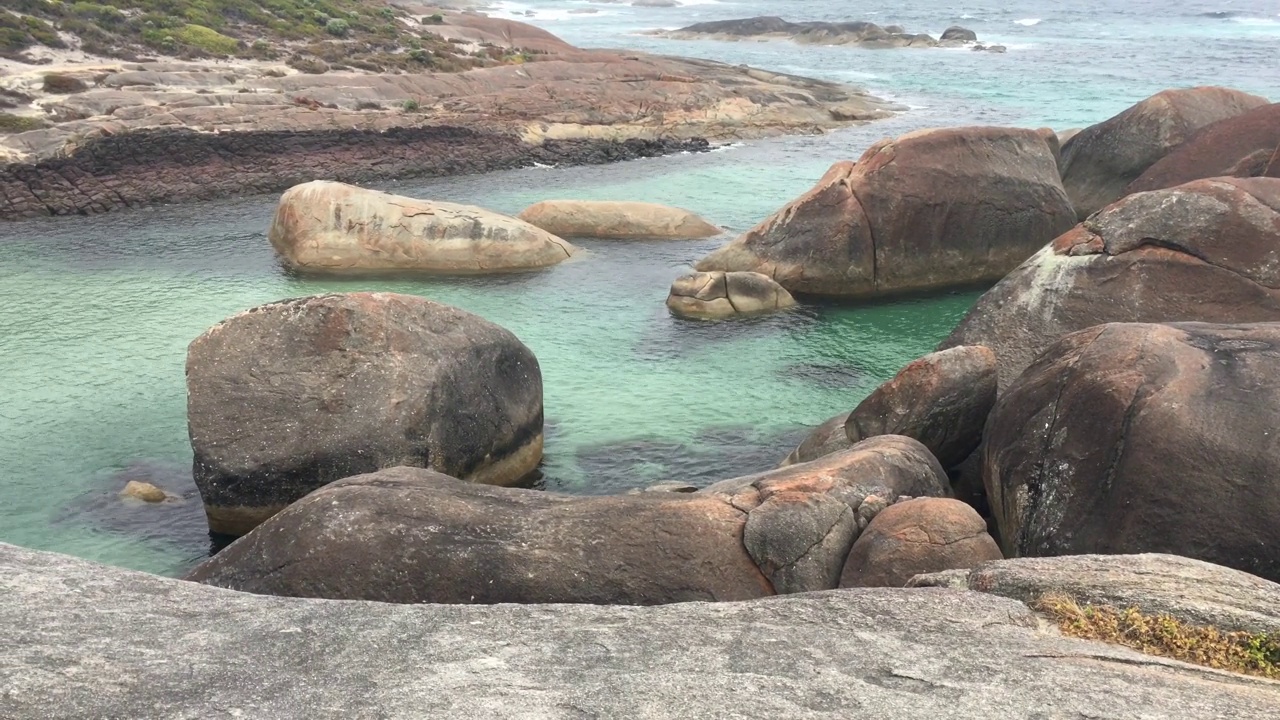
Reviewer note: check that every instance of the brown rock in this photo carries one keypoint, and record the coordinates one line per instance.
(924, 535)
(929, 210)
(332, 227)
(409, 535)
(1240, 146)
(827, 438)
(1130, 438)
(1201, 251)
(1100, 162)
(616, 220)
(287, 397)
(721, 295)
(145, 492)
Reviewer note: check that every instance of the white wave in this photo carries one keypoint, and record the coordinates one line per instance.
(726, 148)
(701, 2)
(1255, 21)
(1028, 22)
(520, 11)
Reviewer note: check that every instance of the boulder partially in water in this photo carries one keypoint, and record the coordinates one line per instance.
(1241, 146)
(923, 535)
(1201, 251)
(722, 295)
(616, 220)
(825, 439)
(930, 210)
(958, 34)
(1101, 160)
(333, 227)
(1134, 438)
(287, 397)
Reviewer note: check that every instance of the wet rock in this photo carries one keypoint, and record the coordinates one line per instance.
(1100, 162)
(722, 295)
(146, 492)
(930, 210)
(1239, 146)
(616, 220)
(955, 33)
(1133, 438)
(287, 397)
(333, 227)
(923, 535)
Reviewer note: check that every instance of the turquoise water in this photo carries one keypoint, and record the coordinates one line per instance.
(98, 311)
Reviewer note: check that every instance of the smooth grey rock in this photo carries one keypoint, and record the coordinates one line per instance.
(1193, 591)
(79, 641)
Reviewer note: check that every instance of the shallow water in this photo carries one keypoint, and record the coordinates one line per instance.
(98, 311)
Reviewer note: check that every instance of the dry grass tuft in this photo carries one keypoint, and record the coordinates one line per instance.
(1241, 652)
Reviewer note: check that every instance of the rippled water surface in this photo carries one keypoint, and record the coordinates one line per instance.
(98, 311)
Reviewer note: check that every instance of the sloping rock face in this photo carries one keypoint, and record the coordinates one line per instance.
(1240, 146)
(1101, 160)
(611, 219)
(721, 295)
(893, 654)
(825, 439)
(1192, 591)
(409, 535)
(1202, 251)
(930, 210)
(331, 227)
(1129, 438)
(290, 396)
(923, 535)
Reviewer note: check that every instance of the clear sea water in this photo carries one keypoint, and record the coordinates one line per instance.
(98, 311)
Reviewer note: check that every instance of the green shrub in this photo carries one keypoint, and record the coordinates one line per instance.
(63, 84)
(337, 27)
(10, 123)
(410, 106)
(436, 19)
(206, 40)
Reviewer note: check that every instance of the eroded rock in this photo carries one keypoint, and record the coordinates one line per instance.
(1239, 146)
(721, 295)
(616, 220)
(923, 535)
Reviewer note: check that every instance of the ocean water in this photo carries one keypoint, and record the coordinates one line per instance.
(98, 311)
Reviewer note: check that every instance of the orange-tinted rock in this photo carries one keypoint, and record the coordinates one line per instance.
(1241, 146)
(924, 535)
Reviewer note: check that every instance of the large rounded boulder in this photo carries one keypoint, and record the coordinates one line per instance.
(1101, 160)
(327, 226)
(930, 210)
(712, 295)
(923, 535)
(1208, 250)
(287, 397)
(616, 220)
(1133, 438)
(1241, 146)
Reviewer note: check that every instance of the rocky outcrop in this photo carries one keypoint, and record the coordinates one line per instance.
(857, 33)
(722, 295)
(1193, 591)
(1101, 160)
(409, 535)
(167, 132)
(930, 210)
(1201, 251)
(892, 653)
(615, 220)
(923, 535)
(333, 228)
(941, 399)
(1129, 438)
(287, 397)
(1239, 146)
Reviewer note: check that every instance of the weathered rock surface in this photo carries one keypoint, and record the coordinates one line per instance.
(1192, 591)
(803, 519)
(146, 492)
(1101, 160)
(959, 34)
(616, 220)
(930, 210)
(825, 439)
(409, 535)
(860, 33)
(1129, 438)
(331, 227)
(924, 535)
(890, 653)
(1203, 251)
(721, 295)
(290, 396)
(1239, 146)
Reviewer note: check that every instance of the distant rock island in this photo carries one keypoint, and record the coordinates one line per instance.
(860, 33)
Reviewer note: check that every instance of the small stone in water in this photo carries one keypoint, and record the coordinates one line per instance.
(143, 491)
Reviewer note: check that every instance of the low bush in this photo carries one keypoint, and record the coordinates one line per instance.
(63, 84)
(10, 123)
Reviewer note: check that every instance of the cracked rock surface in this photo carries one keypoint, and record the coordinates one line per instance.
(929, 210)
(726, 294)
(82, 641)
(1132, 438)
(922, 535)
(332, 227)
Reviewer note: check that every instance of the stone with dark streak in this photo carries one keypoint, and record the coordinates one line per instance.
(712, 295)
(1241, 146)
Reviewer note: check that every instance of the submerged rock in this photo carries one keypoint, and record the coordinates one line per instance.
(287, 397)
(1101, 160)
(332, 227)
(616, 220)
(1131, 438)
(145, 492)
(930, 210)
(923, 535)
(721, 295)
